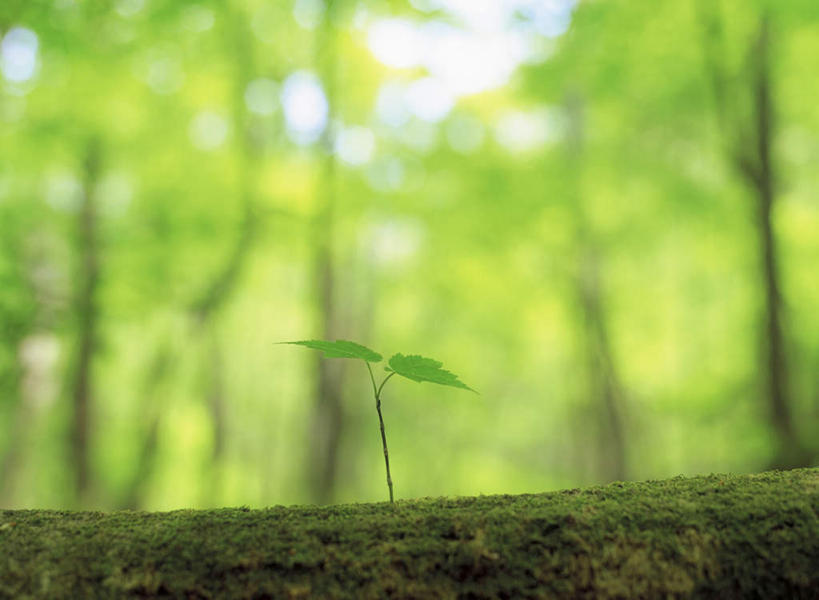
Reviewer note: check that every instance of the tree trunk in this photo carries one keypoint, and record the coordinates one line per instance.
(87, 314)
(750, 150)
(328, 415)
(327, 421)
(30, 382)
(603, 379)
(133, 497)
(762, 179)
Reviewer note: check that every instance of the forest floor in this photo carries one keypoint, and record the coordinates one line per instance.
(726, 536)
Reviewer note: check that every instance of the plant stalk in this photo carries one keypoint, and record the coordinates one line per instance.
(377, 394)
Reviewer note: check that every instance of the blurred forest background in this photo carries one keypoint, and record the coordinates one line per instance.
(603, 215)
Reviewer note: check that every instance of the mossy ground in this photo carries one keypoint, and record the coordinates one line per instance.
(753, 536)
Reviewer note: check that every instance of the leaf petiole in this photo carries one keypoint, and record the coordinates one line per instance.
(377, 394)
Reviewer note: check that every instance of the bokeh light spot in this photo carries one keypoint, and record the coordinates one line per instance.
(394, 242)
(428, 99)
(197, 18)
(464, 134)
(129, 8)
(396, 43)
(522, 131)
(18, 54)
(419, 135)
(165, 76)
(391, 105)
(355, 145)
(308, 13)
(63, 191)
(305, 107)
(386, 174)
(208, 130)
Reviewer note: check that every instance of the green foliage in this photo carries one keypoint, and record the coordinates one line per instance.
(420, 369)
(478, 249)
(341, 349)
(417, 368)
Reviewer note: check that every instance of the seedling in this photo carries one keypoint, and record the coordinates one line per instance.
(414, 367)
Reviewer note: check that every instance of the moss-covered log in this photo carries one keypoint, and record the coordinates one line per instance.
(753, 536)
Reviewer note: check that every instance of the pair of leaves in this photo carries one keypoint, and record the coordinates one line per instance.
(414, 367)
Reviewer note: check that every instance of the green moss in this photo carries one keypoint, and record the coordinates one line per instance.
(717, 536)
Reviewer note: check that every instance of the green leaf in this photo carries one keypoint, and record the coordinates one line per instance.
(420, 368)
(341, 349)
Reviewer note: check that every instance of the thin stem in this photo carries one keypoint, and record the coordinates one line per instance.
(372, 378)
(377, 394)
(381, 387)
(384, 442)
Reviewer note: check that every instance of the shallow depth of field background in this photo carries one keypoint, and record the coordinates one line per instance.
(559, 200)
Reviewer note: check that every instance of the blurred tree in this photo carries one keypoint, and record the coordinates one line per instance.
(749, 142)
(20, 316)
(328, 412)
(158, 370)
(604, 386)
(239, 47)
(439, 232)
(87, 314)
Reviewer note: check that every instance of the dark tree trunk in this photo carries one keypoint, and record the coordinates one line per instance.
(750, 149)
(216, 400)
(328, 411)
(327, 421)
(603, 377)
(763, 181)
(87, 314)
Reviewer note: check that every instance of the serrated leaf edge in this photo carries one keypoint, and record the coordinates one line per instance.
(438, 364)
(302, 343)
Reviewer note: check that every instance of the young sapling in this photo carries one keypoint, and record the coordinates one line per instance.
(414, 367)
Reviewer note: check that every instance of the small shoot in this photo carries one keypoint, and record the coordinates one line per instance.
(414, 367)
